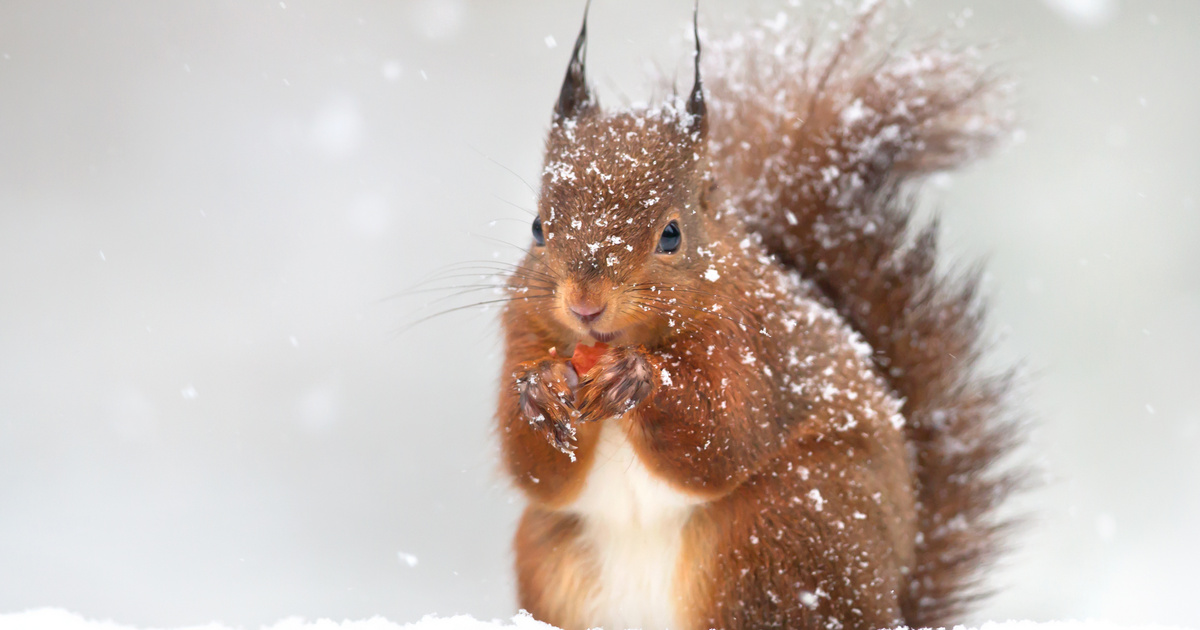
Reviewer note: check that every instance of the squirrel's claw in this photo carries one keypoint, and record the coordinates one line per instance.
(620, 381)
(546, 399)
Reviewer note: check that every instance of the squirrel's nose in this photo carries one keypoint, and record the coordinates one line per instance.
(588, 313)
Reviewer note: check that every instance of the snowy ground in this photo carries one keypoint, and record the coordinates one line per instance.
(55, 619)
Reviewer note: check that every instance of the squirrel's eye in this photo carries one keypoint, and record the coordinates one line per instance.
(670, 239)
(537, 231)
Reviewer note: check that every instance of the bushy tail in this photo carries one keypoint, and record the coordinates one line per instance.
(815, 147)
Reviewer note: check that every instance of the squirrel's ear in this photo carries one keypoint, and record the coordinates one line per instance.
(575, 95)
(695, 103)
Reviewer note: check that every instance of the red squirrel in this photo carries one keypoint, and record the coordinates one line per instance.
(787, 426)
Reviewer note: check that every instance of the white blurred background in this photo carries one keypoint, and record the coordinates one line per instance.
(207, 412)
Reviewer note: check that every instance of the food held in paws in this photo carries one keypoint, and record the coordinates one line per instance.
(586, 356)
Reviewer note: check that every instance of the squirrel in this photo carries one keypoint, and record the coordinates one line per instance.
(787, 425)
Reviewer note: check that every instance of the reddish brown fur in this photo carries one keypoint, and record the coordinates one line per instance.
(737, 383)
(854, 242)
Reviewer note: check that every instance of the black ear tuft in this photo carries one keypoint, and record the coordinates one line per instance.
(695, 103)
(575, 95)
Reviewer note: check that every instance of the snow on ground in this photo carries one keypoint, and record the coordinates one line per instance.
(55, 619)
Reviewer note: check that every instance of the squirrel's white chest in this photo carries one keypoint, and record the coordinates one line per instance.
(634, 524)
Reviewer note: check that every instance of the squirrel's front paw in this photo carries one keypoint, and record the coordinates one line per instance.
(547, 400)
(621, 380)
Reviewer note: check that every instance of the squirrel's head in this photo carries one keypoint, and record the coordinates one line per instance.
(622, 219)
